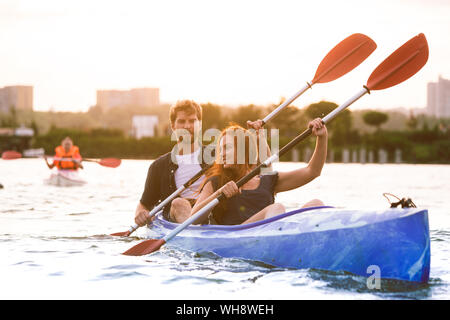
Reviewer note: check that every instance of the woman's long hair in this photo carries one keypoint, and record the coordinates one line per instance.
(249, 155)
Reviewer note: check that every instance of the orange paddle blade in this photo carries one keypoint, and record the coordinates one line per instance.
(11, 155)
(344, 57)
(402, 64)
(110, 162)
(145, 247)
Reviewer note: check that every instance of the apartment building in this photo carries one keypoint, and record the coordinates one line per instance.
(438, 98)
(140, 97)
(18, 97)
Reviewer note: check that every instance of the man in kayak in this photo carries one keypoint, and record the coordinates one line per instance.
(67, 156)
(254, 201)
(170, 171)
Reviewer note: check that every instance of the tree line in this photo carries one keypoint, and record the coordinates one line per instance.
(106, 134)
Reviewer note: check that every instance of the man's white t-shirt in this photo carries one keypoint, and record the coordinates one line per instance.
(188, 166)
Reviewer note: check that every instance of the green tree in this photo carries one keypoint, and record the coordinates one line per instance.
(95, 112)
(244, 113)
(290, 121)
(10, 119)
(34, 126)
(340, 128)
(319, 109)
(412, 121)
(212, 116)
(375, 118)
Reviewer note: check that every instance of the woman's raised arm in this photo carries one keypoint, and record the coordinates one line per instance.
(297, 178)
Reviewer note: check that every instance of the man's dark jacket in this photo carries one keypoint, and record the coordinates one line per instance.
(160, 182)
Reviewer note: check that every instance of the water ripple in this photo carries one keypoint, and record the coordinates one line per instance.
(119, 275)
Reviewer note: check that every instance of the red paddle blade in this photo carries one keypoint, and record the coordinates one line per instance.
(110, 162)
(402, 64)
(121, 234)
(145, 247)
(11, 155)
(344, 57)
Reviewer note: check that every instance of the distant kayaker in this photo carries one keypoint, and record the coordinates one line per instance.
(254, 201)
(170, 171)
(67, 156)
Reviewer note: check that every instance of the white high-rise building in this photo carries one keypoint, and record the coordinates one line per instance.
(438, 98)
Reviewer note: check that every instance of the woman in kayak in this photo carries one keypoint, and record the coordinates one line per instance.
(254, 201)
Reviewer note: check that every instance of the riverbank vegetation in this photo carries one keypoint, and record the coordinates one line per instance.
(420, 139)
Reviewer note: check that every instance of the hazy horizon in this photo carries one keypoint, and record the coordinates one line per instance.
(229, 53)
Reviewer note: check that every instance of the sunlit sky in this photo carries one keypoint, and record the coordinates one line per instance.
(226, 52)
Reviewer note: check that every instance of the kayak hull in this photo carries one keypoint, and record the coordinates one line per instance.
(65, 178)
(391, 244)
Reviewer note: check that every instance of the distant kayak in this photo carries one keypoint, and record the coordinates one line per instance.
(65, 178)
(394, 242)
(34, 153)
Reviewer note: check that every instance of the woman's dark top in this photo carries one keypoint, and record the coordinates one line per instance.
(240, 207)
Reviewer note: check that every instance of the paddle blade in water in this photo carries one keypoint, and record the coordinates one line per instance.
(344, 57)
(11, 155)
(145, 247)
(110, 162)
(402, 64)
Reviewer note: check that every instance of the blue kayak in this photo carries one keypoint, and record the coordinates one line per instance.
(396, 242)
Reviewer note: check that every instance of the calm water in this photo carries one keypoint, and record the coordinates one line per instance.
(54, 241)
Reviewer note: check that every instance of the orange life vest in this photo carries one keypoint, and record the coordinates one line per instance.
(60, 152)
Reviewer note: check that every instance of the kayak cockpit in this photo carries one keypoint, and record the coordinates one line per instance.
(172, 225)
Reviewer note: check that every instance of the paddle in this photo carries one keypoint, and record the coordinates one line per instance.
(399, 66)
(162, 204)
(106, 162)
(343, 58)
